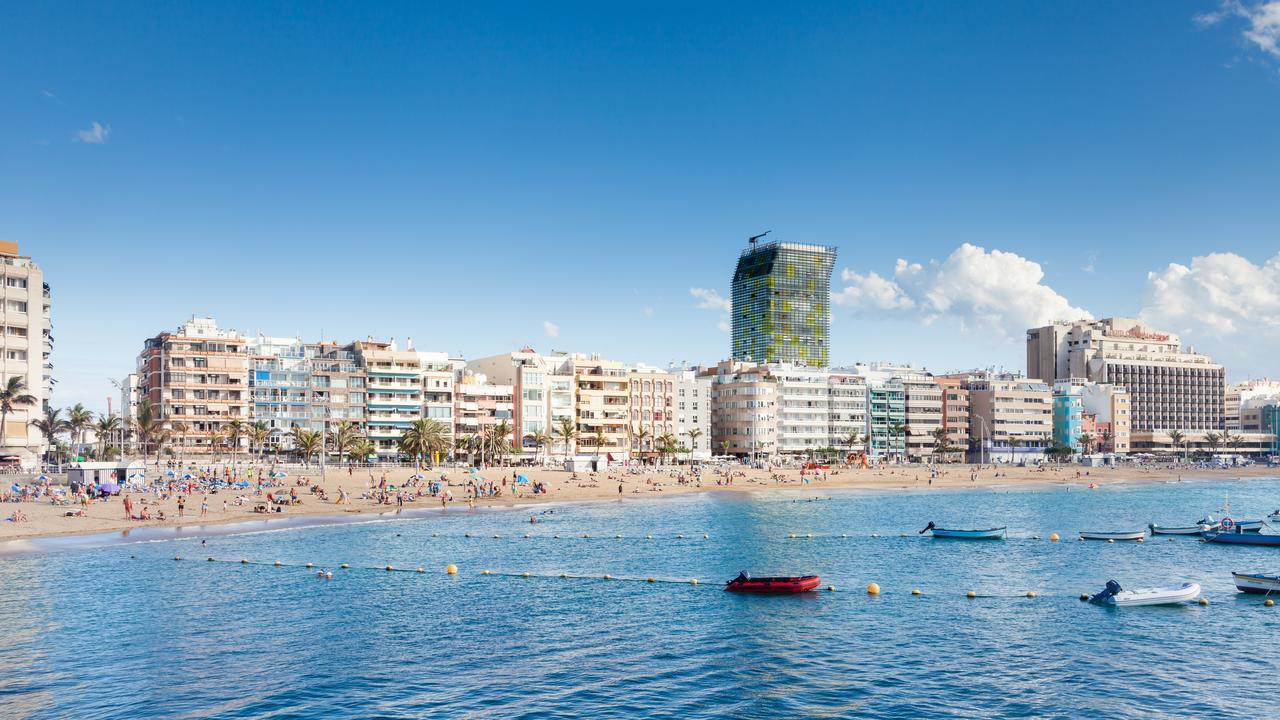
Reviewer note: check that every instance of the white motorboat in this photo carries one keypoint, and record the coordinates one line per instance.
(1180, 530)
(1257, 583)
(1116, 596)
(1136, 535)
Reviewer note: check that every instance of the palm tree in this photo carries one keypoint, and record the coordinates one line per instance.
(234, 429)
(78, 420)
(1231, 441)
(667, 445)
(106, 426)
(1014, 442)
(694, 434)
(500, 441)
(49, 426)
(1086, 443)
(898, 429)
(179, 429)
(641, 435)
(424, 436)
(147, 425)
(1175, 439)
(362, 448)
(851, 440)
(217, 441)
(724, 447)
(1213, 440)
(1107, 436)
(599, 440)
(306, 443)
(940, 442)
(259, 434)
(566, 431)
(345, 436)
(13, 394)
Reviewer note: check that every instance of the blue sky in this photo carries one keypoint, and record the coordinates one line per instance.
(472, 174)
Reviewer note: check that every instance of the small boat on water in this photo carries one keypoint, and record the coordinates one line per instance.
(1241, 538)
(944, 533)
(1180, 530)
(1227, 523)
(744, 583)
(1116, 596)
(1138, 535)
(1256, 583)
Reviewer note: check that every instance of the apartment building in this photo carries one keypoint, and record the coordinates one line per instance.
(955, 415)
(394, 392)
(1248, 394)
(744, 409)
(339, 390)
(781, 304)
(602, 405)
(847, 414)
(26, 349)
(1109, 405)
(481, 408)
(803, 409)
(197, 380)
(1012, 418)
(279, 387)
(530, 376)
(653, 410)
(692, 412)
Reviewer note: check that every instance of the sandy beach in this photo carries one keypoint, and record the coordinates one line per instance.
(45, 519)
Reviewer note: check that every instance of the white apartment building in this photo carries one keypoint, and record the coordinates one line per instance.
(819, 409)
(394, 392)
(26, 345)
(922, 403)
(1248, 395)
(530, 376)
(693, 412)
(744, 409)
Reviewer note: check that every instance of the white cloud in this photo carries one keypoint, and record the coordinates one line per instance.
(995, 291)
(95, 135)
(1219, 295)
(551, 329)
(1092, 264)
(1263, 19)
(648, 312)
(711, 300)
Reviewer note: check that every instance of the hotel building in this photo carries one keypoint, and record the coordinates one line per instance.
(1169, 388)
(26, 347)
(781, 304)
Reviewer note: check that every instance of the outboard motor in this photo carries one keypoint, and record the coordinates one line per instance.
(1101, 598)
(927, 528)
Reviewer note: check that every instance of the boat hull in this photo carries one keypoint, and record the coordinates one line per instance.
(1242, 539)
(1182, 530)
(991, 534)
(1155, 596)
(1257, 584)
(774, 585)
(1138, 535)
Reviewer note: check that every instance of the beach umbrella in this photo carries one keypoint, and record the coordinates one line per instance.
(109, 488)
(43, 478)
(16, 487)
(522, 478)
(243, 483)
(416, 476)
(188, 476)
(171, 473)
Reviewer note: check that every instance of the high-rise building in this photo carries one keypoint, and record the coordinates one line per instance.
(197, 381)
(26, 346)
(338, 387)
(1169, 388)
(394, 380)
(279, 388)
(781, 304)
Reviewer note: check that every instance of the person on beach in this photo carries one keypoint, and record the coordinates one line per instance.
(181, 505)
(128, 508)
(204, 507)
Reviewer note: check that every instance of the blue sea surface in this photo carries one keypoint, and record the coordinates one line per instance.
(125, 631)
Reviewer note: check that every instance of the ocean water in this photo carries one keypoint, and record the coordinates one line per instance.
(125, 631)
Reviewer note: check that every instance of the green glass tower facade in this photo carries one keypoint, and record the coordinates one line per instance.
(782, 304)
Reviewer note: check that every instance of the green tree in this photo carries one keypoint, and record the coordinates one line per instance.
(345, 437)
(566, 431)
(259, 433)
(598, 437)
(642, 436)
(306, 443)
(694, 434)
(1086, 443)
(107, 426)
(79, 419)
(147, 425)
(13, 395)
(1176, 438)
(1213, 440)
(50, 426)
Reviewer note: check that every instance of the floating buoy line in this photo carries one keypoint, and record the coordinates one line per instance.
(872, 590)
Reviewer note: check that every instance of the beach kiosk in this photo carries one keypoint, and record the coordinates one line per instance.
(100, 473)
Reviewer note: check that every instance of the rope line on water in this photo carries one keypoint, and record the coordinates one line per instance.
(873, 591)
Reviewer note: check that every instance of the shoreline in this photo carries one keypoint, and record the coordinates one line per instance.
(55, 532)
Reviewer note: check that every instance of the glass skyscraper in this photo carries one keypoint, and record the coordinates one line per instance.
(782, 304)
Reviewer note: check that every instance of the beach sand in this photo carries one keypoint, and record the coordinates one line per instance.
(108, 516)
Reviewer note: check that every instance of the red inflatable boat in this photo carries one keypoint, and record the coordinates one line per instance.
(772, 585)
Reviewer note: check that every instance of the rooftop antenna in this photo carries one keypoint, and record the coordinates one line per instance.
(752, 240)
